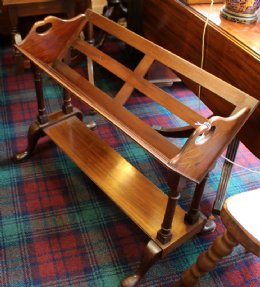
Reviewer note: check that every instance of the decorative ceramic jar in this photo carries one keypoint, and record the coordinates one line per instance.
(242, 11)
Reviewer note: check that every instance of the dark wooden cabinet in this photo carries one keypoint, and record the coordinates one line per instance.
(11, 11)
(5, 25)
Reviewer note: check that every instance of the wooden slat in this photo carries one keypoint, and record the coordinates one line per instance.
(148, 138)
(189, 70)
(163, 150)
(140, 199)
(140, 71)
(150, 90)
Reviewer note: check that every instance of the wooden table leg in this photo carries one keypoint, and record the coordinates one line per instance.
(193, 214)
(226, 170)
(164, 235)
(35, 131)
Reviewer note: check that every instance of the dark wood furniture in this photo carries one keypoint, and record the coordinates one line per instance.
(240, 215)
(5, 26)
(24, 8)
(165, 223)
(232, 53)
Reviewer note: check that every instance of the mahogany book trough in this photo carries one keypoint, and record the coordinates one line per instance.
(48, 45)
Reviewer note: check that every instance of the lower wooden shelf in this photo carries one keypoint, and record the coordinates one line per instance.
(127, 187)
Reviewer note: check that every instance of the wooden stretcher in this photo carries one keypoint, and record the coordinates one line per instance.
(158, 215)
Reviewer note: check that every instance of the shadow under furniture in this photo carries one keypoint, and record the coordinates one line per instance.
(157, 214)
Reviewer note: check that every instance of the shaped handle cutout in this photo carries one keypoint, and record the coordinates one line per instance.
(203, 137)
(43, 29)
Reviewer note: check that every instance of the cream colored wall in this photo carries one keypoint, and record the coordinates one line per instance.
(97, 5)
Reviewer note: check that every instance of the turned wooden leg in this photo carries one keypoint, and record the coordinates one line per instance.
(193, 214)
(221, 247)
(151, 253)
(42, 114)
(67, 106)
(164, 235)
(35, 132)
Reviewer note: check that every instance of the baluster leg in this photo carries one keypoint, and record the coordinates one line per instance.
(194, 212)
(164, 235)
(42, 114)
(151, 253)
(35, 131)
(67, 107)
(221, 247)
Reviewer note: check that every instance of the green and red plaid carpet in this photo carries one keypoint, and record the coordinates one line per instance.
(56, 226)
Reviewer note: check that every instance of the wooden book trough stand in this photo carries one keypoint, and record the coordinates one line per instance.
(156, 214)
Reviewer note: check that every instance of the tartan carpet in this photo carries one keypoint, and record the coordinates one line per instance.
(58, 229)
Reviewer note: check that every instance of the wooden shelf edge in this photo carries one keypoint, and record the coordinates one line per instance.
(127, 187)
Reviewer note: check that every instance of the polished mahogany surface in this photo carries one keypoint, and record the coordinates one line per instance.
(231, 52)
(247, 34)
(125, 185)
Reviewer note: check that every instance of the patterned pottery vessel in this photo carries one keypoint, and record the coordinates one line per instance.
(242, 11)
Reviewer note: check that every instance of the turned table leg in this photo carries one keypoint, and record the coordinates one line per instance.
(164, 235)
(194, 213)
(221, 247)
(36, 129)
(151, 253)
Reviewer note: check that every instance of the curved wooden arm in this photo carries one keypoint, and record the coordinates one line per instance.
(54, 42)
(207, 143)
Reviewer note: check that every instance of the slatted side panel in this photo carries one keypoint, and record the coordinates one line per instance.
(134, 79)
(189, 70)
(138, 130)
(140, 71)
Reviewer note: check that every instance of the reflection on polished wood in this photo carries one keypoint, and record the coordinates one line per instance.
(248, 35)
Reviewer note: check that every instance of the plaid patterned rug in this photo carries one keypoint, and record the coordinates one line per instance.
(58, 229)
